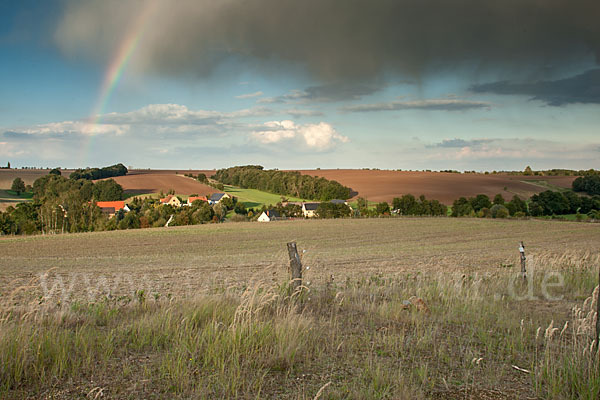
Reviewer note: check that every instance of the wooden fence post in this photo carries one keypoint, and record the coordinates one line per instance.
(523, 261)
(295, 266)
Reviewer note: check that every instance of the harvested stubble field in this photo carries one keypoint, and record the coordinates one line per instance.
(204, 311)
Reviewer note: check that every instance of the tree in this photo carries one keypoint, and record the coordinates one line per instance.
(362, 203)
(499, 211)
(55, 171)
(107, 190)
(589, 183)
(383, 208)
(18, 186)
(462, 207)
(8, 165)
(528, 171)
(498, 199)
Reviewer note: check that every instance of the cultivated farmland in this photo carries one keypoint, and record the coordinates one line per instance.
(393, 308)
(378, 185)
(141, 183)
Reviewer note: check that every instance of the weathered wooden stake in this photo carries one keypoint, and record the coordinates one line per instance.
(295, 266)
(523, 261)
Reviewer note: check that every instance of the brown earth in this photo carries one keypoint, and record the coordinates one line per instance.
(139, 183)
(7, 176)
(377, 185)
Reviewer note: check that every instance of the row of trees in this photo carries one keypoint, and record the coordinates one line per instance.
(409, 205)
(560, 203)
(588, 183)
(99, 173)
(543, 204)
(60, 205)
(288, 183)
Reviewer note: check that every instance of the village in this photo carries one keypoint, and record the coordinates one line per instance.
(309, 209)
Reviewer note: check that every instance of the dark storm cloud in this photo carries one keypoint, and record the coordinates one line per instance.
(326, 93)
(583, 88)
(340, 40)
(431, 104)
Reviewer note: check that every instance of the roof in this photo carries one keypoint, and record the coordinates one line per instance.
(272, 213)
(338, 201)
(191, 199)
(167, 199)
(116, 205)
(311, 206)
(216, 196)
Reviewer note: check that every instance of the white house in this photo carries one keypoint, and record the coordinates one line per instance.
(171, 200)
(268, 216)
(309, 209)
(217, 197)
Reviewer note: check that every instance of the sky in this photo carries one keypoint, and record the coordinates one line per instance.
(390, 84)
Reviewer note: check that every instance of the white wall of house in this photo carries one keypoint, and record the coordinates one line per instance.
(264, 217)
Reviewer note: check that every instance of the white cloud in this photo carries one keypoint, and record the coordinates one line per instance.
(321, 136)
(176, 114)
(249, 95)
(76, 128)
(506, 149)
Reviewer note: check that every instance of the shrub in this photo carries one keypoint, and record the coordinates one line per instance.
(499, 211)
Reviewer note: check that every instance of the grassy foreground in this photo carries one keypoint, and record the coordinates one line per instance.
(353, 339)
(204, 312)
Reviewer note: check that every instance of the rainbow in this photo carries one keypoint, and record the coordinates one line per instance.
(113, 74)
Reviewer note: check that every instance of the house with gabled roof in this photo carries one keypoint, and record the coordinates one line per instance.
(217, 197)
(309, 209)
(110, 208)
(191, 199)
(171, 200)
(269, 215)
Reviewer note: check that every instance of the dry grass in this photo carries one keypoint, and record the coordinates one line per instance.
(348, 334)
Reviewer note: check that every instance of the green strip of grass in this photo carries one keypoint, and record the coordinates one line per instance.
(256, 198)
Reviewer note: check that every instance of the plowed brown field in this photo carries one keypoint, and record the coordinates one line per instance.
(165, 181)
(378, 185)
(7, 176)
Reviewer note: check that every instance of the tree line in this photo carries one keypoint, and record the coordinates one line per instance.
(288, 183)
(547, 203)
(589, 183)
(99, 173)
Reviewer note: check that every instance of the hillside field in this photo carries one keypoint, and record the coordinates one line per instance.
(384, 185)
(375, 185)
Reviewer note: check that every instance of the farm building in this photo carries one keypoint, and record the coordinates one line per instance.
(171, 200)
(309, 209)
(191, 199)
(217, 197)
(110, 208)
(268, 216)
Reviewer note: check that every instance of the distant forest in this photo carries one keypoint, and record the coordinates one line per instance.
(287, 183)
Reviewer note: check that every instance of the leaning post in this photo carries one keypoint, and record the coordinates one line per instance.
(295, 266)
(523, 260)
